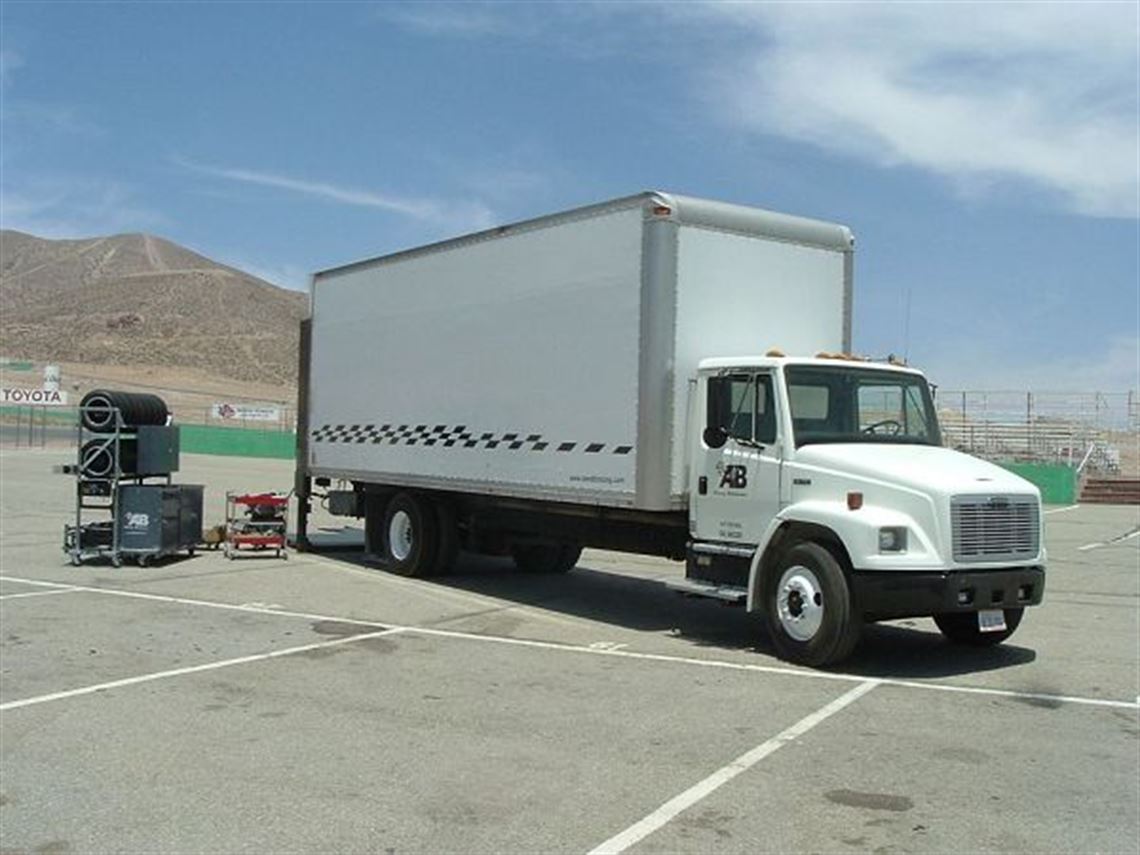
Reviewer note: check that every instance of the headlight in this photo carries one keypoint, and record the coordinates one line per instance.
(892, 539)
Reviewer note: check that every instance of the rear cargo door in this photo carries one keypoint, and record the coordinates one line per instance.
(738, 484)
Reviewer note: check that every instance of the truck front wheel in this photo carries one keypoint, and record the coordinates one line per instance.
(962, 628)
(410, 535)
(808, 607)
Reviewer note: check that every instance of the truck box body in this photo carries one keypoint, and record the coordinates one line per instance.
(551, 359)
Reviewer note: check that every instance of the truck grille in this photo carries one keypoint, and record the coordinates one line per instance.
(995, 528)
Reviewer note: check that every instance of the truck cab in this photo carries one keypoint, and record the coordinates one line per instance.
(821, 496)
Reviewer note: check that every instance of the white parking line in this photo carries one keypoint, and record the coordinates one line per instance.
(444, 594)
(1111, 542)
(776, 669)
(193, 669)
(609, 651)
(70, 590)
(1062, 510)
(644, 827)
(186, 601)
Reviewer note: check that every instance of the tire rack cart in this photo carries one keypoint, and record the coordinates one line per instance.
(101, 493)
(256, 521)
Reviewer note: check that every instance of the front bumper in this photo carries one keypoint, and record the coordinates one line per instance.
(883, 595)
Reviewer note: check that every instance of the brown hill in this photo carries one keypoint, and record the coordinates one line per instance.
(141, 300)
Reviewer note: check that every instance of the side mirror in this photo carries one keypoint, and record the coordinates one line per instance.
(716, 413)
(715, 436)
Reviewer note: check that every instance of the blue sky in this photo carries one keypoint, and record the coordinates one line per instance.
(986, 156)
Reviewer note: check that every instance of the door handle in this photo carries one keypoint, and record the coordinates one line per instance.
(703, 485)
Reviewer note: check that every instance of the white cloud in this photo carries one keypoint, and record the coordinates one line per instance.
(1114, 368)
(29, 118)
(461, 19)
(977, 94)
(24, 119)
(64, 206)
(469, 213)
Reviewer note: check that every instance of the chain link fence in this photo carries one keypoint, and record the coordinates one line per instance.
(32, 426)
(1091, 432)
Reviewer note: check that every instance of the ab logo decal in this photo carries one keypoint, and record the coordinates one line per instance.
(733, 477)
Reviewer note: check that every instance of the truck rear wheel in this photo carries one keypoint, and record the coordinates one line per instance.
(808, 607)
(546, 558)
(411, 534)
(962, 628)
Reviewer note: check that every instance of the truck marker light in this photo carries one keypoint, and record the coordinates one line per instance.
(662, 211)
(854, 500)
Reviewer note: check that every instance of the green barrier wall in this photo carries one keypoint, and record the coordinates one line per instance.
(1058, 484)
(238, 442)
(65, 415)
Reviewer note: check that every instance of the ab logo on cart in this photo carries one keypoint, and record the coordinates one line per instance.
(734, 477)
(137, 520)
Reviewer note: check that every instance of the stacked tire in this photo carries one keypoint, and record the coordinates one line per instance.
(104, 412)
(135, 409)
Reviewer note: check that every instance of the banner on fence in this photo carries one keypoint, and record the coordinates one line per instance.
(245, 412)
(35, 397)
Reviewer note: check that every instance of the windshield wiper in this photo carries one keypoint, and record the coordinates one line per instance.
(750, 443)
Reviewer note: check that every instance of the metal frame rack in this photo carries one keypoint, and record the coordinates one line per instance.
(100, 492)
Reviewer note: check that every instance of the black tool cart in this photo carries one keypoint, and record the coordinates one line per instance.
(126, 452)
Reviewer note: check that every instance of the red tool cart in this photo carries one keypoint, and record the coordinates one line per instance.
(257, 522)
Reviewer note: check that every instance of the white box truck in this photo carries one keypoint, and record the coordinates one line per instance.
(615, 376)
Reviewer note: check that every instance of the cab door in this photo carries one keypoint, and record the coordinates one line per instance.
(738, 460)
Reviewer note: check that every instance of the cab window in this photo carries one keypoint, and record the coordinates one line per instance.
(748, 410)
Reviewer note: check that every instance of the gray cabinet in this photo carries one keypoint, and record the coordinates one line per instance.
(158, 519)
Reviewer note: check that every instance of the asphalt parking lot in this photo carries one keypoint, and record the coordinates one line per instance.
(317, 704)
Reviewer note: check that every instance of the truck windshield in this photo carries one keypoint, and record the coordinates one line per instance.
(847, 404)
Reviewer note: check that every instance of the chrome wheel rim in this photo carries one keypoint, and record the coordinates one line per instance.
(799, 603)
(400, 535)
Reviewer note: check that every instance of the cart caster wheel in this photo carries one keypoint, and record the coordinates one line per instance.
(190, 551)
(284, 555)
(143, 561)
(75, 562)
(116, 562)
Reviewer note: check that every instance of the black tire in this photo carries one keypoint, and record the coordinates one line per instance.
(411, 535)
(447, 549)
(135, 408)
(546, 558)
(962, 628)
(807, 604)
